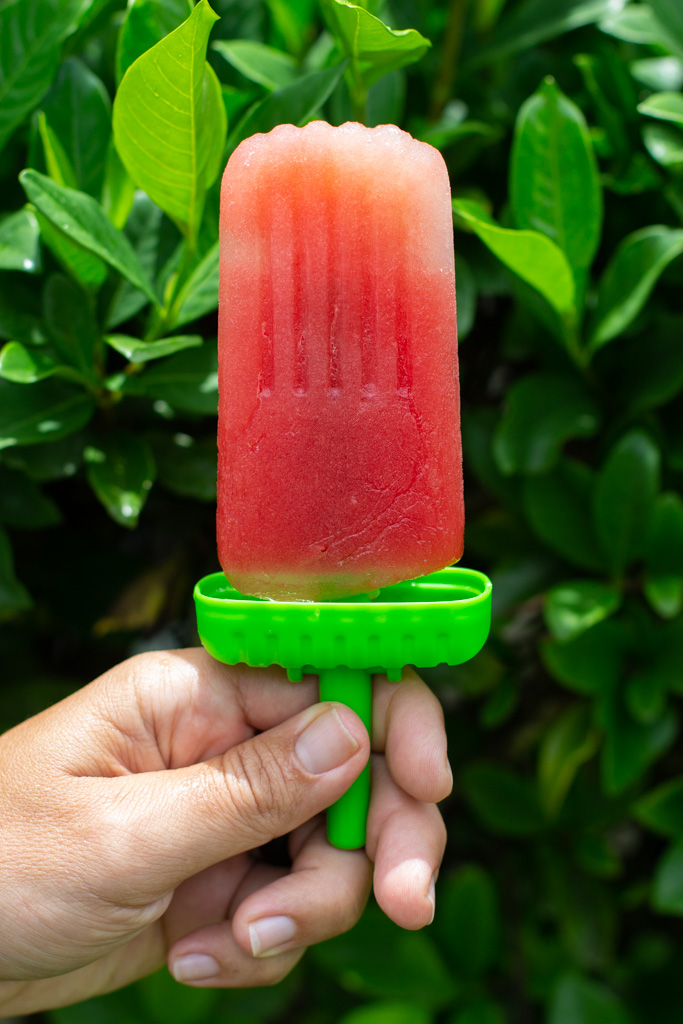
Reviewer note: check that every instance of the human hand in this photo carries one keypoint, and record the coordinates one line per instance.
(130, 809)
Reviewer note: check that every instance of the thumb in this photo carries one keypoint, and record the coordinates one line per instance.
(186, 819)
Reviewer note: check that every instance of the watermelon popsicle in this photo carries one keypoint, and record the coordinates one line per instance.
(339, 435)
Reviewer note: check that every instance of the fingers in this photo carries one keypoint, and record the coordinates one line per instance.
(406, 840)
(408, 726)
(278, 916)
(169, 825)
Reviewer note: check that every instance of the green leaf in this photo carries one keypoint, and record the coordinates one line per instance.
(78, 111)
(569, 743)
(484, 1012)
(467, 296)
(542, 412)
(199, 295)
(631, 747)
(31, 36)
(664, 143)
(661, 810)
(19, 249)
(624, 498)
(661, 74)
(629, 278)
(648, 383)
(145, 24)
(468, 920)
(118, 191)
(555, 186)
(144, 230)
(670, 15)
(19, 303)
(170, 123)
(558, 507)
(24, 365)
(376, 958)
(667, 890)
(79, 263)
(664, 594)
(667, 106)
(22, 503)
(143, 351)
(592, 663)
(259, 63)
(529, 254)
(388, 1012)
(572, 608)
(663, 585)
(187, 382)
(578, 1000)
(294, 104)
(13, 596)
(372, 48)
(504, 802)
(82, 220)
(41, 412)
(121, 472)
(637, 23)
(57, 460)
(71, 322)
(58, 164)
(187, 467)
(535, 21)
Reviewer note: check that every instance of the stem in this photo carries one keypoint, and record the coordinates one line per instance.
(346, 819)
(449, 57)
(359, 102)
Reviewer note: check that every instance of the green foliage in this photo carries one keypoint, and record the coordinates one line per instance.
(561, 123)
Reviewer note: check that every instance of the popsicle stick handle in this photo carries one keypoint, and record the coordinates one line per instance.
(346, 820)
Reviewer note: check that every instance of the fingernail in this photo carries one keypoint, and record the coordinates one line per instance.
(431, 894)
(325, 744)
(270, 933)
(194, 967)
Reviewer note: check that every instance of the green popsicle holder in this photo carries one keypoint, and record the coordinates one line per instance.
(443, 618)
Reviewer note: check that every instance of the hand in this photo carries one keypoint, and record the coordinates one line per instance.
(130, 809)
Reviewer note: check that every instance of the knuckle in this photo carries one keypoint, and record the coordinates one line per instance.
(255, 785)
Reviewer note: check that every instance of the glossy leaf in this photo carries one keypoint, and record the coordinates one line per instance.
(542, 412)
(78, 111)
(42, 412)
(31, 35)
(624, 498)
(138, 351)
(118, 192)
(661, 810)
(559, 507)
(71, 324)
(186, 466)
(630, 746)
(664, 143)
(661, 74)
(121, 472)
(187, 382)
(294, 104)
(259, 63)
(667, 890)
(572, 608)
(13, 595)
(670, 15)
(19, 246)
(468, 920)
(145, 24)
(531, 255)
(81, 264)
(570, 742)
(170, 123)
(19, 309)
(82, 220)
(372, 48)
(592, 662)
(199, 295)
(666, 106)
(503, 801)
(555, 187)
(629, 278)
(579, 1000)
(24, 365)
(637, 23)
(57, 460)
(144, 228)
(58, 164)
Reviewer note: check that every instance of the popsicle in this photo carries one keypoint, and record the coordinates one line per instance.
(339, 467)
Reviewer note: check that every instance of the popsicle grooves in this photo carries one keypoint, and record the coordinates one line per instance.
(266, 376)
(368, 303)
(404, 375)
(335, 274)
(299, 312)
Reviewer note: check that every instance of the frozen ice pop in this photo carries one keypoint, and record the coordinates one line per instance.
(339, 466)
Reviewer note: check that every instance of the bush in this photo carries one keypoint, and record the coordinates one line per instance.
(560, 123)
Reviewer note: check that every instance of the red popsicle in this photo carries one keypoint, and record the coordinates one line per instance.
(339, 466)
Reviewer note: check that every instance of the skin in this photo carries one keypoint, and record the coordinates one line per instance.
(132, 811)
